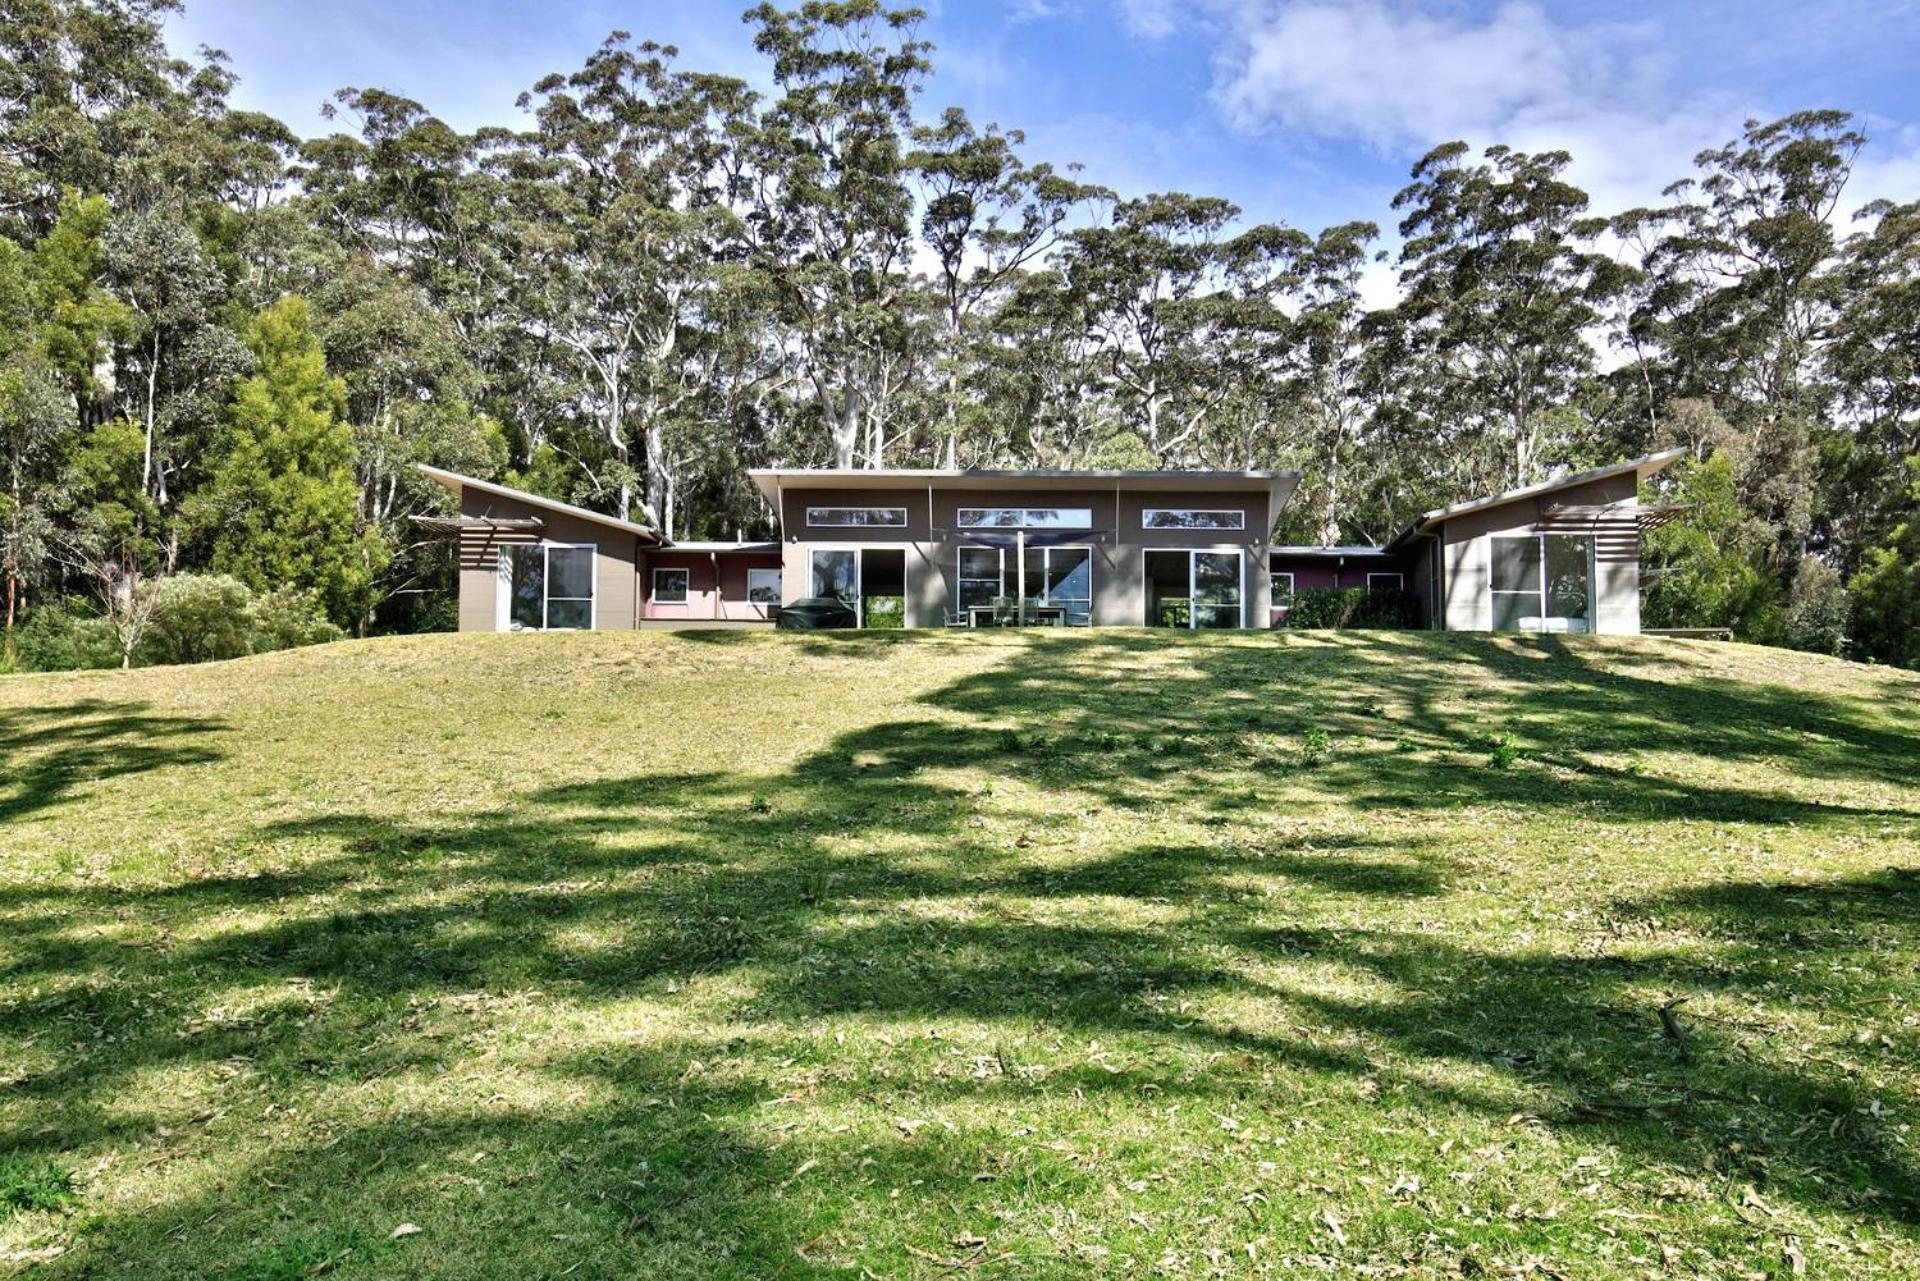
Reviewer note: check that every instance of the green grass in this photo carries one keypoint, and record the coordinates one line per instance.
(995, 954)
(28, 1183)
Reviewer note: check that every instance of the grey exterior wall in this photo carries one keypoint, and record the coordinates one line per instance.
(1467, 552)
(932, 547)
(614, 560)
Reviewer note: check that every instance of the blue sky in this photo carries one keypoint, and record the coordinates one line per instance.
(1302, 111)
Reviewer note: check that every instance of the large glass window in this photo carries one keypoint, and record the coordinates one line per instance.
(763, 586)
(1569, 584)
(670, 586)
(1192, 518)
(1026, 518)
(549, 587)
(1058, 578)
(1542, 583)
(836, 573)
(1062, 578)
(979, 577)
(860, 517)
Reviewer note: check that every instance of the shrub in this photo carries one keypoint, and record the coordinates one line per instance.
(1320, 607)
(1504, 752)
(885, 612)
(1886, 591)
(1817, 608)
(198, 618)
(1315, 746)
(290, 618)
(65, 636)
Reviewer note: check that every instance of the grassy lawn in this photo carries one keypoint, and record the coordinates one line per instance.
(1113, 954)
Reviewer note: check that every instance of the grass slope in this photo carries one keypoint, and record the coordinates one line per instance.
(734, 955)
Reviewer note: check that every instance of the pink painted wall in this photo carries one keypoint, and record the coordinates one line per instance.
(702, 602)
(1317, 572)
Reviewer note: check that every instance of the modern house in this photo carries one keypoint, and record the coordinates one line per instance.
(1559, 556)
(933, 548)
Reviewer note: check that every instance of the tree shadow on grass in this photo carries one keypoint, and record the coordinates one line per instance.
(877, 883)
(49, 753)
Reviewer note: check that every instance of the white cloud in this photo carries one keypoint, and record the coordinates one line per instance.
(1400, 78)
(1151, 19)
(1019, 11)
(1889, 168)
(1379, 284)
(1393, 75)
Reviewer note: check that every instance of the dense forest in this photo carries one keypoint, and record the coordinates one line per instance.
(223, 346)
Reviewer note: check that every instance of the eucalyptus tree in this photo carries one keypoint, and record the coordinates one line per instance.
(830, 211)
(619, 237)
(36, 422)
(408, 192)
(1326, 369)
(1740, 296)
(1501, 286)
(86, 92)
(1182, 310)
(1738, 262)
(1036, 371)
(58, 323)
(411, 397)
(179, 359)
(1872, 363)
(986, 217)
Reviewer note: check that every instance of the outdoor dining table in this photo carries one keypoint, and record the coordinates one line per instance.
(1043, 615)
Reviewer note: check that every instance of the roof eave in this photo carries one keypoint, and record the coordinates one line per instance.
(1642, 467)
(456, 482)
(771, 481)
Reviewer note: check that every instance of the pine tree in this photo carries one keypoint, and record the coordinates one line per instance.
(282, 505)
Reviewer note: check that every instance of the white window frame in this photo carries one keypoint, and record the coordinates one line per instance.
(1273, 590)
(1046, 562)
(1399, 581)
(1238, 513)
(777, 585)
(815, 518)
(686, 597)
(503, 586)
(1083, 518)
(860, 551)
(1146, 584)
(959, 576)
(1539, 539)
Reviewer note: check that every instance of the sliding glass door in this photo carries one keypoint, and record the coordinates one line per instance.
(1543, 583)
(1193, 588)
(1059, 581)
(546, 587)
(1062, 578)
(836, 573)
(871, 580)
(978, 581)
(1216, 590)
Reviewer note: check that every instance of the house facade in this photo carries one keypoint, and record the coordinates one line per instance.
(944, 548)
(1559, 556)
(1090, 548)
